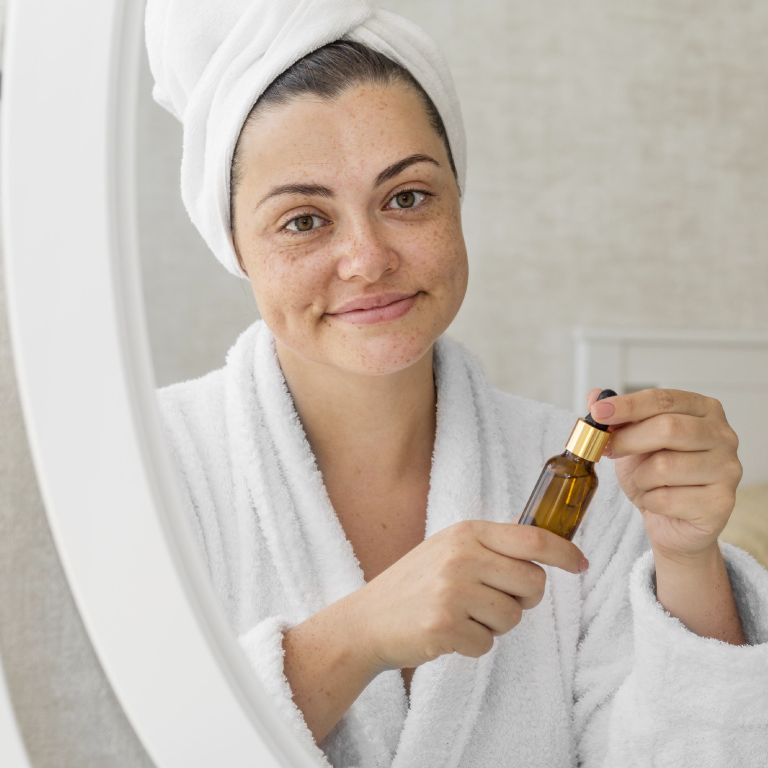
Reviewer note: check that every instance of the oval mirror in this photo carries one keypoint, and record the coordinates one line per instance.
(87, 387)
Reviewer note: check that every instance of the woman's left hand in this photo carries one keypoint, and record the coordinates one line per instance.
(676, 460)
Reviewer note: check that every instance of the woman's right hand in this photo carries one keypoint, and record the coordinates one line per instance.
(456, 591)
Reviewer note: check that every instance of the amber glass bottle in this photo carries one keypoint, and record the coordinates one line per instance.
(568, 482)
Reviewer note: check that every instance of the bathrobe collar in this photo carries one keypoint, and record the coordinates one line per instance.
(316, 561)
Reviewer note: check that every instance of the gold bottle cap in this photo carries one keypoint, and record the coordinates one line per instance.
(587, 442)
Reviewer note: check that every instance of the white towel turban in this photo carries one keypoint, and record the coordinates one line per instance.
(211, 60)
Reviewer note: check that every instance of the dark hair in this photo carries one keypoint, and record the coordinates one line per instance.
(328, 72)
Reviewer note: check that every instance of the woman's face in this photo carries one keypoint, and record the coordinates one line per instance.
(348, 225)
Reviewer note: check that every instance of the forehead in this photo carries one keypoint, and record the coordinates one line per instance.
(353, 136)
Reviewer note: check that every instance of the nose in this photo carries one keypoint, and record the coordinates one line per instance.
(366, 254)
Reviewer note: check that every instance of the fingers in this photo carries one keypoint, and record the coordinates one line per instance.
(676, 468)
(676, 431)
(521, 579)
(473, 639)
(652, 402)
(495, 610)
(527, 542)
(592, 396)
(699, 502)
(677, 462)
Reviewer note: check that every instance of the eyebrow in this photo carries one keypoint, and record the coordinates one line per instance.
(317, 190)
(396, 168)
(308, 190)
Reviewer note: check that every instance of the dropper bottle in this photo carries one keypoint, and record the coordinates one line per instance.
(568, 482)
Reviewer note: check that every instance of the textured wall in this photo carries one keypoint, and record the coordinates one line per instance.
(618, 175)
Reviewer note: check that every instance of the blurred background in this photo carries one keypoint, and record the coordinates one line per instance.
(618, 179)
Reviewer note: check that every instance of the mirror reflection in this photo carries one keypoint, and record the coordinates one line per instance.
(363, 277)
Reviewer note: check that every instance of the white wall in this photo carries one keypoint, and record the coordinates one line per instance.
(618, 175)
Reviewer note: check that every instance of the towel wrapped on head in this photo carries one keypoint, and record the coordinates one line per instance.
(212, 59)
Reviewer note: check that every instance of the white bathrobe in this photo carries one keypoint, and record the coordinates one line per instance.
(597, 675)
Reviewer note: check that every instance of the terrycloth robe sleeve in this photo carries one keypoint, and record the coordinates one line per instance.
(263, 646)
(648, 692)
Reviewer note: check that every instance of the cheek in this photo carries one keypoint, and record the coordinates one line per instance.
(288, 284)
(439, 258)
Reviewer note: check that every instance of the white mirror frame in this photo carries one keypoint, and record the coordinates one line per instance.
(87, 390)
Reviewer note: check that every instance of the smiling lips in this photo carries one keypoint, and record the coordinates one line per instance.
(367, 310)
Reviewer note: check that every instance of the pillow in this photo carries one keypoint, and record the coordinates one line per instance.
(748, 526)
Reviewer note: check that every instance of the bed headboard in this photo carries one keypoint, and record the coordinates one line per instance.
(732, 367)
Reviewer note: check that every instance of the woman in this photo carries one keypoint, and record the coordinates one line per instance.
(354, 480)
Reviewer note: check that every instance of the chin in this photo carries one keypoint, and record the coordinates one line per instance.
(384, 353)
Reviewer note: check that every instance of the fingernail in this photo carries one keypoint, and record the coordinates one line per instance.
(603, 410)
(607, 451)
(583, 565)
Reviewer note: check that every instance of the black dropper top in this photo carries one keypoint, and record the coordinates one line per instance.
(605, 393)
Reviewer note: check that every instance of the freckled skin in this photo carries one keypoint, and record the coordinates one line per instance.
(363, 247)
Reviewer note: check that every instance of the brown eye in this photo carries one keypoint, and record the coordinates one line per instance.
(409, 198)
(304, 223)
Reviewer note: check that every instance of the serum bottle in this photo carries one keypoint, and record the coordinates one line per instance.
(568, 482)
